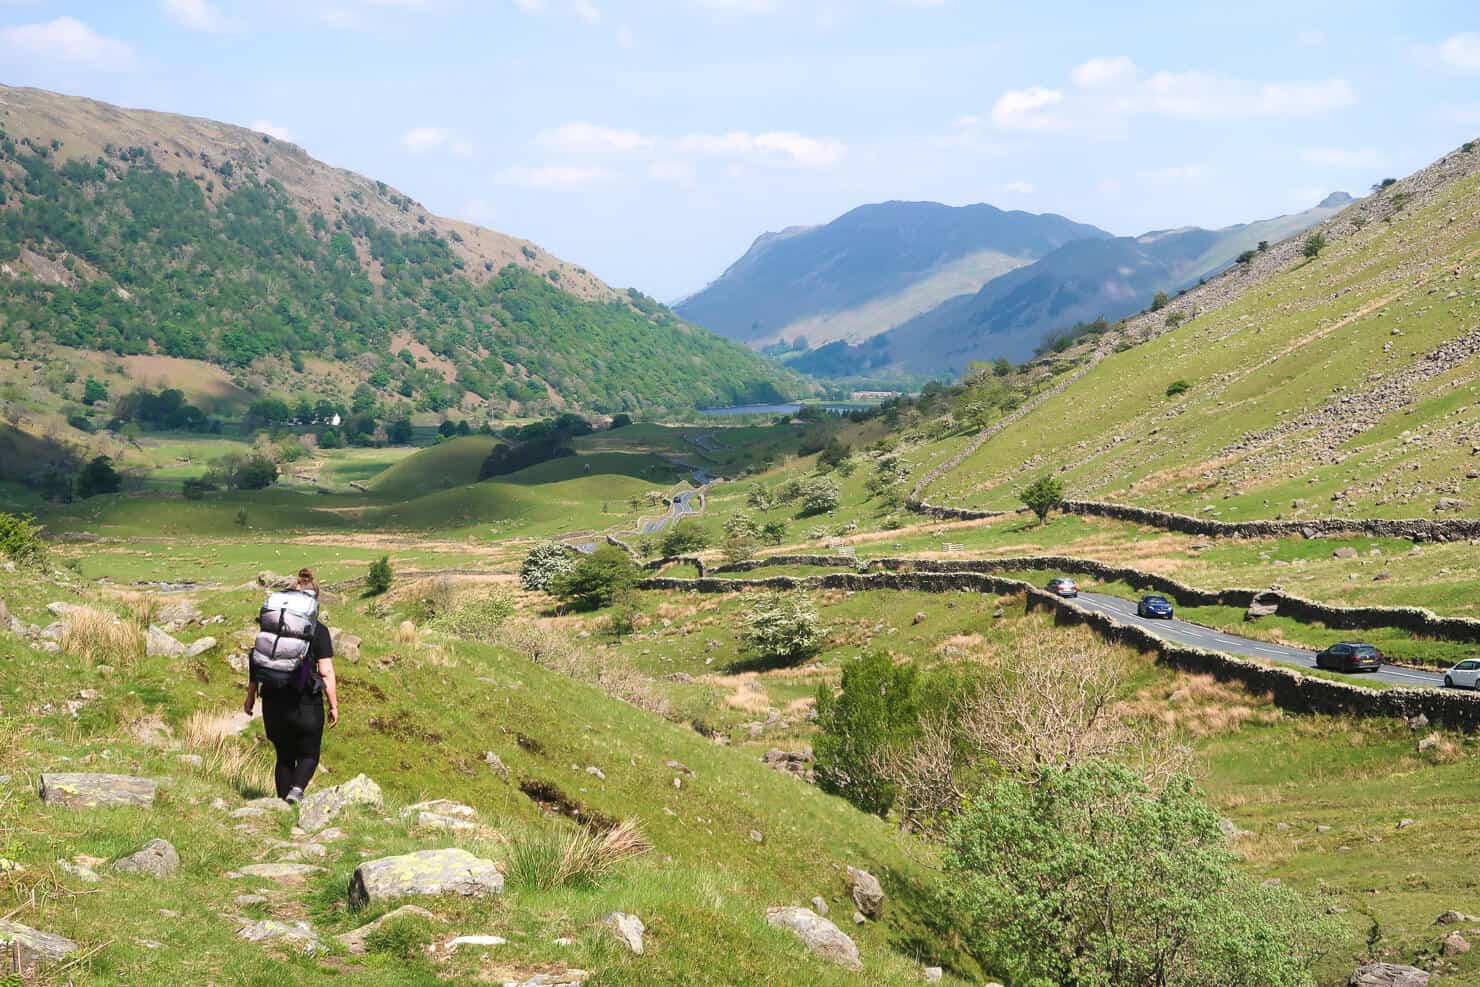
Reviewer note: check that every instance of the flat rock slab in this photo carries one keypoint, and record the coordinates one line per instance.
(157, 858)
(426, 872)
(281, 873)
(319, 809)
(565, 978)
(89, 791)
(1388, 975)
(442, 807)
(435, 820)
(818, 934)
(357, 940)
(32, 948)
(299, 936)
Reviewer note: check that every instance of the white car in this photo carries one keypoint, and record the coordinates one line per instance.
(1465, 675)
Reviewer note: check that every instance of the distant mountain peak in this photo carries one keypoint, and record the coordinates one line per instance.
(1335, 200)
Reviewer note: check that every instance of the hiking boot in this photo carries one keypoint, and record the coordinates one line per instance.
(294, 796)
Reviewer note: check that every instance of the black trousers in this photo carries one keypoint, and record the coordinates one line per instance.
(295, 724)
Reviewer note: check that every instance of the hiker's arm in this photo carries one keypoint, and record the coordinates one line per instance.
(251, 702)
(326, 672)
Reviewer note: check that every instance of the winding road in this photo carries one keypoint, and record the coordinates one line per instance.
(1197, 636)
(680, 507)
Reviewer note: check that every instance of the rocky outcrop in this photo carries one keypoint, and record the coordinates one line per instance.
(157, 858)
(797, 763)
(31, 949)
(318, 809)
(866, 891)
(1388, 975)
(91, 791)
(159, 644)
(424, 873)
(627, 928)
(818, 934)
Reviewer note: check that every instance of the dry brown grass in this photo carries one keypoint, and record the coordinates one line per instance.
(583, 858)
(101, 637)
(1199, 706)
(406, 633)
(139, 606)
(244, 766)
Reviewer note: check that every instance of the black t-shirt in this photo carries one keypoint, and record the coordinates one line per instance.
(323, 644)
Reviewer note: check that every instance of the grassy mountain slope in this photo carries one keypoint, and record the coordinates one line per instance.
(1079, 282)
(873, 255)
(146, 233)
(1340, 385)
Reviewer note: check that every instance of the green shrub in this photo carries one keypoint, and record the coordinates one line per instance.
(1178, 387)
(379, 578)
(781, 627)
(1090, 878)
(196, 488)
(1159, 301)
(1247, 257)
(820, 495)
(545, 563)
(874, 713)
(403, 937)
(683, 538)
(597, 578)
(476, 617)
(98, 477)
(20, 540)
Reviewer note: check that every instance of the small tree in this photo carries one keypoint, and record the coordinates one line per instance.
(1247, 257)
(1178, 387)
(94, 391)
(20, 540)
(98, 477)
(781, 627)
(1090, 877)
(546, 562)
(874, 713)
(1314, 244)
(773, 532)
(622, 620)
(1159, 301)
(683, 538)
(378, 580)
(743, 525)
(256, 473)
(621, 421)
(1043, 495)
(820, 495)
(1263, 246)
(595, 580)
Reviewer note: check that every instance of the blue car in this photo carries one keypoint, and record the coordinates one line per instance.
(1154, 606)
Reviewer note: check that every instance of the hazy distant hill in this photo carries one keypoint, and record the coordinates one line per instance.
(873, 268)
(135, 232)
(1011, 315)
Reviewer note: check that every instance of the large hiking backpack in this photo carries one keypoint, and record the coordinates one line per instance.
(286, 626)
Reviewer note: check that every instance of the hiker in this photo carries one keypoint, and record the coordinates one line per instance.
(292, 664)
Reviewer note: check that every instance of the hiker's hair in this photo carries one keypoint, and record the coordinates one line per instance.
(306, 580)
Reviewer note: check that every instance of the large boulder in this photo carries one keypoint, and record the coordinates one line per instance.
(157, 858)
(1262, 606)
(1388, 975)
(318, 809)
(866, 891)
(31, 949)
(346, 646)
(818, 934)
(159, 644)
(90, 791)
(424, 873)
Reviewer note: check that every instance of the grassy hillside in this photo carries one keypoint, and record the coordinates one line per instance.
(141, 233)
(1340, 385)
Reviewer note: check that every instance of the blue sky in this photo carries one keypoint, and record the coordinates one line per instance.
(652, 140)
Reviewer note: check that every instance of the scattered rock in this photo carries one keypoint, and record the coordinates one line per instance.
(1418, 722)
(320, 808)
(91, 791)
(1405, 823)
(1454, 918)
(932, 974)
(191, 760)
(1344, 553)
(453, 945)
(31, 949)
(756, 836)
(297, 935)
(565, 978)
(798, 763)
(442, 807)
(425, 872)
(920, 617)
(497, 764)
(596, 773)
(627, 928)
(858, 918)
(159, 644)
(176, 615)
(818, 934)
(200, 647)
(1455, 944)
(1388, 975)
(1322, 828)
(79, 870)
(435, 820)
(157, 858)
(1429, 742)
(819, 905)
(1262, 606)
(248, 900)
(355, 941)
(866, 891)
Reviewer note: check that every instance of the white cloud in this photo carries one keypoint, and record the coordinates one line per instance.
(1101, 71)
(590, 138)
(551, 176)
(1336, 157)
(1019, 188)
(784, 146)
(71, 40)
(677, 172)
(586, 11)
(424, 139)
(272, 130)
(200, 15)
(1022, 109)
(1110, 90)
(1461, 51)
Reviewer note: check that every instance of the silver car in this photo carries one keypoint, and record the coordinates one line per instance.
(1465, 675)
(1063, 586)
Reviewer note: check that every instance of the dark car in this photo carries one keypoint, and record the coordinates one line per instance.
(1154, 606)
(1063, 587)
(1350, 656)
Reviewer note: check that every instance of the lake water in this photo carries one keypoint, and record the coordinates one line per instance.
(778, 409)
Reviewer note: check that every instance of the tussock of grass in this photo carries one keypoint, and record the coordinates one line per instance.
(100, 637)
(242, 766)
(582, 859)
(406, 632)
